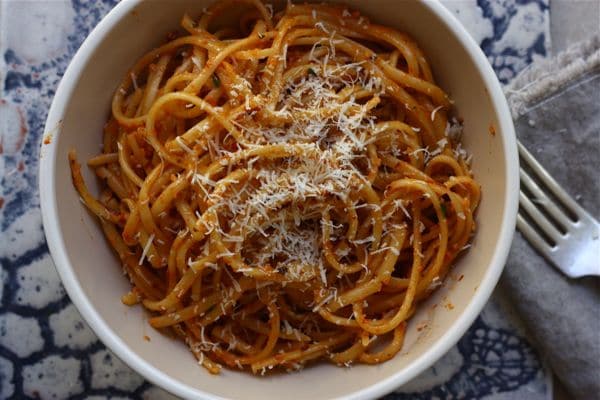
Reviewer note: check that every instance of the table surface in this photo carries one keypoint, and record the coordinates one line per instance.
(46, 349)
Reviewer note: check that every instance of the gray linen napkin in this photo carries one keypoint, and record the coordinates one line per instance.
(556, 109)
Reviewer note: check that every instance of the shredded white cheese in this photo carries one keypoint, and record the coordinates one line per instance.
(146, 249)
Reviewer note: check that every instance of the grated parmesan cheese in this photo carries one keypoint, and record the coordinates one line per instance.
(435, 110)
(146, 249)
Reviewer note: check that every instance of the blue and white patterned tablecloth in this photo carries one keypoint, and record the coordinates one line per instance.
(46, 349)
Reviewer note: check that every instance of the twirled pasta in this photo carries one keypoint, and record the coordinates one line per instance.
(284, 190)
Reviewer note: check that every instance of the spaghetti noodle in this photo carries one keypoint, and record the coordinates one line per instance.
(283, 189)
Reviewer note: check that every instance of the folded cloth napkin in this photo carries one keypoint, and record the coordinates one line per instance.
(556, 109)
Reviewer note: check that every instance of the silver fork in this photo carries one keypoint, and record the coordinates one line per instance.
(569, 240)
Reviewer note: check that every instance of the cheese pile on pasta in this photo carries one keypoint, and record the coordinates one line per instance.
(284, 188)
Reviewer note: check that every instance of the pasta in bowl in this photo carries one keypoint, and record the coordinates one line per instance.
(283, 189)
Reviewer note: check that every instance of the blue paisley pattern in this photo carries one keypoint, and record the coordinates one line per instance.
(495, 361)
(48, 352)
(525, 16)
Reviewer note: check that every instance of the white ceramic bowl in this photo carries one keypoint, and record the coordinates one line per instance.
(92, 275)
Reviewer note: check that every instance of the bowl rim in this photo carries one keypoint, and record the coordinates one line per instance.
(112, 341)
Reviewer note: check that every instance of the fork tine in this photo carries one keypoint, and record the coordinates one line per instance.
(550, 183)
(539, 218)
(546, 202)
(533, 237)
